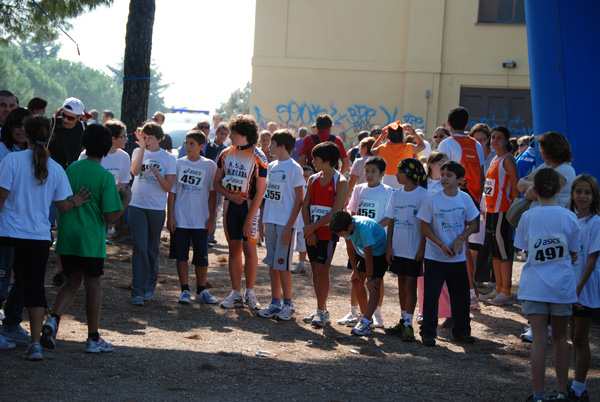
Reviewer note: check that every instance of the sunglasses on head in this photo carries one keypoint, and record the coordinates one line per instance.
(67, 117)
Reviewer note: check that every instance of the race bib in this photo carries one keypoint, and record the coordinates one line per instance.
(146, 174)
(274, 191)
(318, 212)
(114, 172)
(488, 189)
(548, 248)
(235, 184)
(368, 208)
(191, 177)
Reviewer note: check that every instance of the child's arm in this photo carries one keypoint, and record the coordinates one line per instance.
(113, 216)
(459, 242)
(389, 254)
(308, 233)
(375, 147)
(261, 186)
(427, 232)
(371, 287)
(384, 222)
(587, 272)
(171, 224)
(212, 210)
(421, 251)
(351, 254)
(166, 182)
(289, 227)
(237, 198)
(338, 205)
(351, 183)
(510, 166)
(420, 144)
(136, 164)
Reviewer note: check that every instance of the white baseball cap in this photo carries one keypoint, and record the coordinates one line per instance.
(73, 105)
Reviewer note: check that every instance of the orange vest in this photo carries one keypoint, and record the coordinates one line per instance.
(497, 187)
(394, 153)
(470, 160)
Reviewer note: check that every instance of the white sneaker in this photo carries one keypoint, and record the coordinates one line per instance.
(250, 300)
(235, 299)
(286, 313)
(377, 320)
(271, 311)
(185, 297)
(489, 296)
(349, 319)
(527, 336)
(206, 297)
(502, 300)
(361, 329)
(299, 268)
(98, 347)
(49, 330)
(308, 319)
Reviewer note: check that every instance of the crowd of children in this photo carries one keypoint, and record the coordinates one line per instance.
(411, 214)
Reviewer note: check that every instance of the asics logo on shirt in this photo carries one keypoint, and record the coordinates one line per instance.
(545, 242)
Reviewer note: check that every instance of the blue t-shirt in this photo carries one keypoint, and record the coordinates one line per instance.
(526, 162)
(368, 232)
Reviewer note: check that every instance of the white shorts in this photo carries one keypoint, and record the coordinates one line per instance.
(279, 256)
(300, 242)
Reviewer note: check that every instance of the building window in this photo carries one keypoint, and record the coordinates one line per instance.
(501, 12)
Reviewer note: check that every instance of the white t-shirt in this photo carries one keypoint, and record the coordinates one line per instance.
(447, 217)
(300, 221)
(403, 208)
(452, 148)
(548, 233)
(282, 180)
(566, 171)
(370, 201)
(433, 186)
(146, 191)
(358, 169)
(25, 211)
(117, 163)
(590, 243)
(5, 151)
(192, 185)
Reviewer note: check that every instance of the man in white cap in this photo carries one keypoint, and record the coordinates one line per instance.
(65, 144)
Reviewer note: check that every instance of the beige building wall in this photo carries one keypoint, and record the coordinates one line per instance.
(376, 62)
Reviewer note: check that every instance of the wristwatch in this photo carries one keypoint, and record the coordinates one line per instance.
(370, 279)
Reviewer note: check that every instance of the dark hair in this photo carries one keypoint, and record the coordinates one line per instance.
(434, 156)
(15, 116)
(396, 136)
(7, 94)
(97, 140)
(324, 122)
(94, 114)
(458, 118)
(503, 130)
(37, 103)
(37, 128)
(444, 129)
(595, 205)
(409, 139)
(512, 145)
(115, 127)
(368, 143)
(375, 131)
(245, 125)
(484, 128)
(546, 183)
(152, 128)
(340, 221)
(308, 168)
(454, 167)
(362, 135)
(556, 147)
(197, 136)
(328, 152)
(378, 161)
(109, 113)
(284, 137)
(302, 131)
(220, 127)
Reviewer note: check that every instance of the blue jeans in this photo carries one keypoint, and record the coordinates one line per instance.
(13, 309)
(457, 279)
(146, 226)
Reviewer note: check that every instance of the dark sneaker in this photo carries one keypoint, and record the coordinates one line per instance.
(428, 340)
(397, 329)
(559, 396)
(574, 398)
(532, 399)
(464, 339)
(408, 335)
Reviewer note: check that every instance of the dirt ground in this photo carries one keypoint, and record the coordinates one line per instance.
(168, 351)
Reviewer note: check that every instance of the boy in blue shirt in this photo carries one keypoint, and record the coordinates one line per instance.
(366, 243)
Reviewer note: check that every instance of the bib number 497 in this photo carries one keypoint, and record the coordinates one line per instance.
(548, 248)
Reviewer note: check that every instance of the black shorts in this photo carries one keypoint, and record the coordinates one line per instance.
(323, 252)
(584, 311)
(234, 218)
(406, 267)
(380, 265)
(90, 266)
(179, 248)
(500, 232)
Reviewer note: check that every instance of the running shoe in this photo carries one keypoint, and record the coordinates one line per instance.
(185, 297)
(148, 296)
(308, 319)
(420, 320)
(350, 320)
(464, 339)
(33, 352)
(408, 335)
(99, 346)
(286, 313)
(137, 300)
(531, 398)
(585, 397)
(428, 340)
(320, 319)
(250, 300)
(502, 300)
(397, 329)
(6, 345)
(362, 328)
(527, 336)
(299, 268)
(49, 331)
(271, 311)
(377, 320)
(474, 303)
(559, 396)
(206, 297)
(235, 299)
(15, 334)
(489, 296)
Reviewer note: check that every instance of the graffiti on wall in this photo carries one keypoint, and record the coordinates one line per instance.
(517, 127)
(351, 120)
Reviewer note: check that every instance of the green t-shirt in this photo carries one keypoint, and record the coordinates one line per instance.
(82, 231)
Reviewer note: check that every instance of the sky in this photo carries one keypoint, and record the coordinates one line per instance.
(192, 45)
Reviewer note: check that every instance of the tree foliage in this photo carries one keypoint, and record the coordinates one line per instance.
(238, 103)
(22, 19)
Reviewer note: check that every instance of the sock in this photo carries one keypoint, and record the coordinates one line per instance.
(473, 293)
(403, 314)
(408, 320)
(94, 336)
(185, 287)
(276, 302)
(287, 302)
(578, 387)
(57, 317)
(354, 310)
(507, 292)
(377, 311)
(539, 395)
(498, 289)
(200, 289)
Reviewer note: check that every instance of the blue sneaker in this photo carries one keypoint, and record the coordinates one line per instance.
(49, 330)
(137, 301)
(33, 352)
(148, 296)
(185, 297)
(270, 311)
(206, 297)
(6, 345)
(16, 334)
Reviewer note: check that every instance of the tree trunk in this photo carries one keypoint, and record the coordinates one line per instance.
(136, 73)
